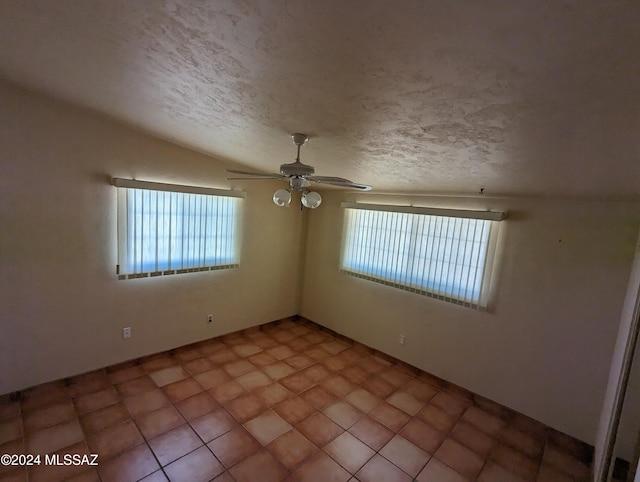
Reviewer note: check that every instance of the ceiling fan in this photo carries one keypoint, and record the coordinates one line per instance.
(300, 176)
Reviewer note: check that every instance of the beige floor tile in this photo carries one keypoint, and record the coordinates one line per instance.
(371, 432)
(168, 375)
(146, 402)
(291, 449)
(349, 452)
(54, 438)
(460, 458)
(402, 453)
(319, 429)
(174, 444)
(363, 400)
(234, 446)
(259, 466)
(133, 464)
(321, 468)
(197, 466)
(213, 424)
(113, 440)
(436, 471)
(405, 402)
(267, 427)
(343, 414)
(379, 469)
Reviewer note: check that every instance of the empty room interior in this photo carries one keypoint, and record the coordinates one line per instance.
(426, 282)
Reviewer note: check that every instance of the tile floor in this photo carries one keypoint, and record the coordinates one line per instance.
(290, 401)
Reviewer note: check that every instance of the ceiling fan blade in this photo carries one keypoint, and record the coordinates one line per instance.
(348, 185)
(266, 175)
(327, 179)
(256, 178)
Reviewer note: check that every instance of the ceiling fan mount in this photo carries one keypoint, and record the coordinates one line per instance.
(299, 176)
(297, 168)
(299, 139)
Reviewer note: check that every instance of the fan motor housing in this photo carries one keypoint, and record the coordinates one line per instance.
(296, 169)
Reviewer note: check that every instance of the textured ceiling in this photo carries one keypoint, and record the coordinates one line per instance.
(522, 97)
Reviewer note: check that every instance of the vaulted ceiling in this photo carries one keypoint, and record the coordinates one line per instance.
(522, 97)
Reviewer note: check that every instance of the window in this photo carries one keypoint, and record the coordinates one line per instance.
(445, 254)
(168, 229)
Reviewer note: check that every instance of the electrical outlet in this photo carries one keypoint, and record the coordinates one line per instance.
(210, 319)
(126, 332)
(401, 339)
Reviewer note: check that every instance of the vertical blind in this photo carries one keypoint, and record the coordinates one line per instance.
(445, 257)
(167, 232)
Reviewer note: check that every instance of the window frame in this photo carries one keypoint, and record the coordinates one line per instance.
(402, 277)
(123, 213)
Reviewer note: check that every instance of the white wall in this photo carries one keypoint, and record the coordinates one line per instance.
(62, 309)
(545, 348)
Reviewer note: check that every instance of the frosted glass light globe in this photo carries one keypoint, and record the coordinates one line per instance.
(311, 199)
(282, 197)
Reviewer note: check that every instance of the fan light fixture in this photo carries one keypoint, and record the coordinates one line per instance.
(310, 199)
